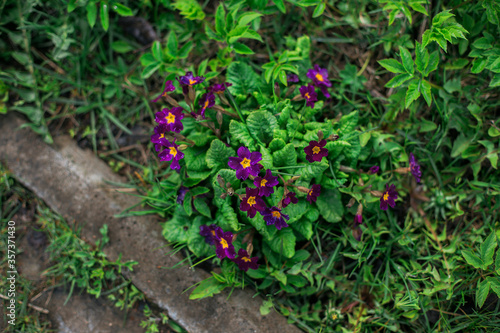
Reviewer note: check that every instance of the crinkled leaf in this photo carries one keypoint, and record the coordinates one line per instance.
(285, 157)
(283, 242)
(240, 133)
(330, 205)
(261, 125)
(304, 227)
(243, 78)
(207, 288)
(202, 207)
(348, 123)
(218, 154)
(196, 242)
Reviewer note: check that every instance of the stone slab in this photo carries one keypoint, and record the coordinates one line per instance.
(71, 181)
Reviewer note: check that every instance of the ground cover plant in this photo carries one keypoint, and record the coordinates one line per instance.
(339, 157)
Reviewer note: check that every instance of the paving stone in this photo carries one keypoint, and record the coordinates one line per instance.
(71, 181)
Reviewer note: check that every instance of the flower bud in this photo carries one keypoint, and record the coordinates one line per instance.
(219, 118)
(172, 101)
(333, 137)
(250, 249)
(351, 203)
(182, 147)
(221, 181)
(320, 135)
(303, 189)
(191, 93)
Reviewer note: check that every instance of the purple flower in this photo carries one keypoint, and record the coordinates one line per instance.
(374, 169)
(171, 153)
(415, 168)
(252, 203)
(313, 193)
(182, 193)
(208, 231)
(171, 119)
(388, 197)
(190, 80)
(206, 101)
(315, 151)
(219, 88)
(244, 261)
(168, 88)
(309, 94)
(319, 76)
(246, 163)
(290, 77)
(266, 184)
(274, 216)
(358, 218)
(224, 244)
(159, 137)
(290, 197)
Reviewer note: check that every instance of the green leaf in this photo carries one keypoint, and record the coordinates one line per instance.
(207, 288)
(418, 8)
(91, 13)
(318, 11)
(407, 60)
(241, 48)
(121, 9)
(330, 205)
(281, 6)
(412, 93)
(488, 250)
(243, 78)
(187, 203)
(482, 43)
(72, 5)
(229, 218)
(285, 157)
(267, 158)
(312, 170)
(283, 242)
(220, 20)
(348, 123)
(156, 51)
(497, 263)
(190, 9)
(280, 276)
(276, 144)
(478, 65)
(239, 132)
(267, 231)
(202, 207)
(177, 228)
(172, 44)
(398, 80)
(483, 288)
(495, 284)
(304, 227)
(426, 92)
(150, 70)
(261, 125)
(120, 46)
(433, 63)
(392, 65)
(461, 143)
(250, 34)
(218, 154)
(196, 243)
(195, 158)
(441, 18)
(247, 17)
(495, 81)
(104, 16)
(472, 259)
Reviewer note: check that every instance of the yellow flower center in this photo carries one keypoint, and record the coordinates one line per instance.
(307, 96)
(316, 150)
(310, 192)
(251, 201)
(224, 243)
(192, 81)
(162, 135)
(263, 183)
(276, 214)
(246, 259)
(206, 104)
(386, 196)
(213, 232)
(245, 163)
(173, 151)
(319, 77)
(170, 118)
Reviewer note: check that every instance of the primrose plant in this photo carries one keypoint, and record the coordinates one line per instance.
(264, 165)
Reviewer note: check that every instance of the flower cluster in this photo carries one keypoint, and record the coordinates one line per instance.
(170, 120)
(319, 77)
(247, 165)
(224, 247)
